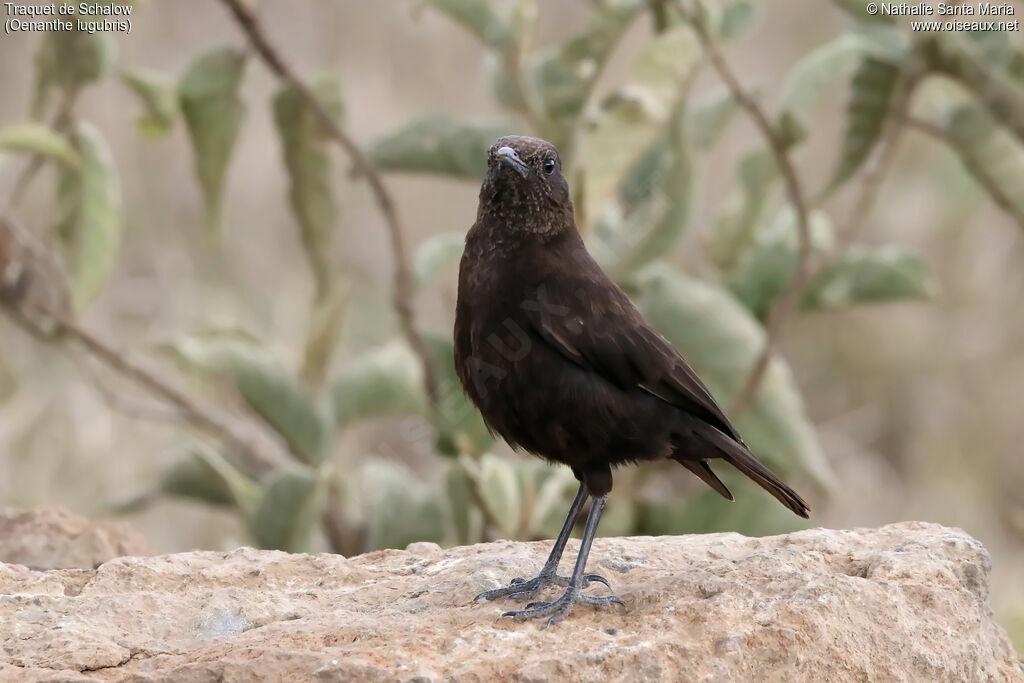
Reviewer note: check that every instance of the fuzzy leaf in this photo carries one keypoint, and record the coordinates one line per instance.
(288, 511)
(35, 138)
(500, 491)
(437, 144)
(271, 390)
(744, 210)
(709, 118)
(737, 18)
(205, 475)
(990, 154)
(285, 403)
(564, 76)
(209, 98)
(768, 267)
(669, 208)
(871, 94)
(633, 118)
(1002, 96)
(90, 224)
(459, 424)
(386, 381)
(870, 275)
(821, 67)
(69, 60)
(435, 253)
(400, 509)
(721, 340)
(479, 17)
(464, 517)
(304, 143)
(159, 100)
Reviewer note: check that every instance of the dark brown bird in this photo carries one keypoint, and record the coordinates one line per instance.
(561, 364)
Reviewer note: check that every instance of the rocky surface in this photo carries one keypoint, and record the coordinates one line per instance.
(53, 538)
(904, 602)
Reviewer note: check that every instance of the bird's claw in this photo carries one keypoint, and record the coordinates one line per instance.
(559, 609)
(524, 589)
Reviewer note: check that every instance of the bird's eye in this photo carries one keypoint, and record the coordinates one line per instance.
(549, 166)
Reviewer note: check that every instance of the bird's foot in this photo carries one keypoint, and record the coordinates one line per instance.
(524, 589)
(559, 609)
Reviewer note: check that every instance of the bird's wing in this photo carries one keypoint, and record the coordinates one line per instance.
(596, 325)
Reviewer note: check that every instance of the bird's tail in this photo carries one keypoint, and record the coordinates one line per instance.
(739, 456)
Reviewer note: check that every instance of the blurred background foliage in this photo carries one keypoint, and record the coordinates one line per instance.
(209, 228)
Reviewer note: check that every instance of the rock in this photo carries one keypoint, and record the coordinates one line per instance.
(907, 602)
(53, 538)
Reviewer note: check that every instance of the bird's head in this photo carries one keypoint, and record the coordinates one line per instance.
(524, 188)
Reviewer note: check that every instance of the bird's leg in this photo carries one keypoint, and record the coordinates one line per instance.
(560, 608)
(523, 589)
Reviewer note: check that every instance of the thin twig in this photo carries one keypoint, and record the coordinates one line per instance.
(786, 301)
(259, 454)
(978, 172)
(403, 281)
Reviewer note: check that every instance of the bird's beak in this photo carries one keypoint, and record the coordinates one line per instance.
(508, 156)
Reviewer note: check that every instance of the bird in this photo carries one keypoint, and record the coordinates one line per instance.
(561, 364)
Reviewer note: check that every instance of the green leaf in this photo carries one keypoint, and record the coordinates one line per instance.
(35, 138)
(479, 17)
(721, 340)
(635, 115)
(90, 224)
(498, 484)
(821, 67)
(437, 144)
(737, 18)
(285, 403)
(465, 518)
(209, 98)
(322, 337)
(435, 253)
(564, 76)
(870, 275)
(399, 508)
(460, 427)
(668, 209)
(271, 390)
(745, 209)
(304, 142)
(386, 381)
(768, 267)
(871, 95)
(160, 103)
(709, 118)
(989, 153)
(204, 474)
(816, 70)
(1002, 96)
(288, 511)
(69, 60)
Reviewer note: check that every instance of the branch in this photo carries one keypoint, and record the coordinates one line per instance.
(403, 281)
(786, 302)
(36, 302)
